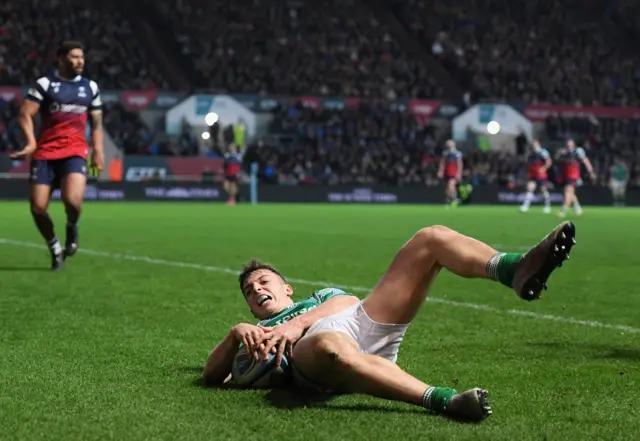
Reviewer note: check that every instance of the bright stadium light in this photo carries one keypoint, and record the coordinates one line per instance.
(211, 118)
(493, 128)
(206, 135)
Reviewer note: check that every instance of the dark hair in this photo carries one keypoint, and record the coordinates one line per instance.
(252, 266)
(67, 46)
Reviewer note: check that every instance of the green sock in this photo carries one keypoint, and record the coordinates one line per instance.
(435, 399)
(502, 267)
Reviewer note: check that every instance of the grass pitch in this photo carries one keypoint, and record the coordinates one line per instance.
(112, 347)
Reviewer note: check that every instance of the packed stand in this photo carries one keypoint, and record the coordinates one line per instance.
(370, 145)
(603, 139)
(30, 31)
(326, 47)
(538, 51)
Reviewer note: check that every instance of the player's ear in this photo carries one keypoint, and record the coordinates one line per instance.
(288, 290)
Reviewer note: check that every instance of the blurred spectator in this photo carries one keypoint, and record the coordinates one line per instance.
(324, 47)
(536, 51)
(30, 31)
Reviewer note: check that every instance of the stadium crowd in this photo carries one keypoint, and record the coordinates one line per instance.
(536, 52)
(329, 47)
(367, 145)
(568, 52)
(114, 57)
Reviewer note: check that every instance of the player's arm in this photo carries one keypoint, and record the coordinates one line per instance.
(218, 367)
(285, 335)
(547, 160)
(441, 167)
(559, 153)
(97, 133)
(460, 167)
(29, 109)
(586, 162)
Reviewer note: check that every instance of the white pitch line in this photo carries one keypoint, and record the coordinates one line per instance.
(219, 269)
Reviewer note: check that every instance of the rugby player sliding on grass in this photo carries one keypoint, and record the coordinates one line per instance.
(339, 344)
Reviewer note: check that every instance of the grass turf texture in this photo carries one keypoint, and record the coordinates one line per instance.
(112, 348)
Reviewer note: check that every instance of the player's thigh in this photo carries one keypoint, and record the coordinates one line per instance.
(531, 186)
(39, 197)
(569, 189)
(41, 182)
(399, 294)
(74, 180)
(318, 359)
(72, 188)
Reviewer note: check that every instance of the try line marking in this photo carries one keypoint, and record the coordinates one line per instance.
(219, 269)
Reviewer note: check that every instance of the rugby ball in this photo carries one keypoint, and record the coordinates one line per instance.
(248, 372)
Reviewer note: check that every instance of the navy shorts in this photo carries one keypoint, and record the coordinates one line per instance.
(51, 171)
(231, 178)
(570, 182)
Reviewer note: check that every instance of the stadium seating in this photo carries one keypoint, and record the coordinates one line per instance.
(31, 29)
(580, 53)
(368, 145)
(326, 47)
(538, 51)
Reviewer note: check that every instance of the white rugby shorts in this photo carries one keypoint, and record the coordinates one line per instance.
(372, 337)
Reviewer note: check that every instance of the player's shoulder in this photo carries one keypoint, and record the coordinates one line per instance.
(324, 294)
(45, 81)
(86, 81)
(330, 290)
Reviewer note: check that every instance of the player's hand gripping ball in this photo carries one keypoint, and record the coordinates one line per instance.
(259, 374)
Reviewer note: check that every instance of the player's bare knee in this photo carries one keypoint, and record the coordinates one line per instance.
(434, 236)
(71, 205)
(332, 350)
(38, 209)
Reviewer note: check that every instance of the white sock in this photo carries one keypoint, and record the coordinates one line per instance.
(547, 198)
(54, 245)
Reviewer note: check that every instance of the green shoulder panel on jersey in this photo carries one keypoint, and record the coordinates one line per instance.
(302, 306)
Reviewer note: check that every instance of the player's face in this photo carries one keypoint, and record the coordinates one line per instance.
(451, 145)
(571, 144)
(266, 293)
(536, 145)
(74, 61)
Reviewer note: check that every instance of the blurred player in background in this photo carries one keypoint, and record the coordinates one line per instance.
(538, 164)
(571, 157)
(451, 171)
(232, 167)
(618, 181)
(59, 155)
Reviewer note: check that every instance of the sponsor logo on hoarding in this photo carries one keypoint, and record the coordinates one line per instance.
(179, 192)
(93, 193)
(362, 195)
(137, 174)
